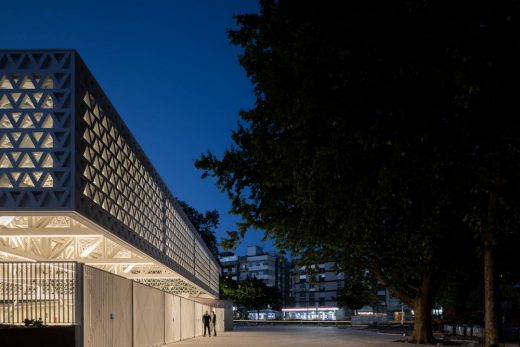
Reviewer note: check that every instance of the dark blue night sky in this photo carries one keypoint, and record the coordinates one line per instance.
(168, 68)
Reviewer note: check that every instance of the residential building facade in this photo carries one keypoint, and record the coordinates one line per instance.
(270, 267)
(313, 293)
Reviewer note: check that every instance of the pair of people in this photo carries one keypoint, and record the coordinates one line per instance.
(208, 320)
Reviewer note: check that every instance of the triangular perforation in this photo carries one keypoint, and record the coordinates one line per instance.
(47, 199)
(86, 190)
(48, 83)
(62, 99)
(14, 156)
(25, 62)
(5, 142)
(27, 83)
(47, 103)
(26, 142)
(48, 122)
(47, 142)
(46, 62)
(61, 196)
(5, 122)
(26, 122)
(26, 162)
(37, 97)
(5, 162)
(86, 136)
(26, 181)
(37, 136)
(48, 181)
(5, 83)
(37, 156)
(60, 58)
(37, 194)
(37, 57)
(62, 79)
(26, 102)
(62, 119)
(37, 175)
(86, 100)
(5, 103)
(62, 138)
(27, 199)
(47, 162)
(4, 61)
(37, 116)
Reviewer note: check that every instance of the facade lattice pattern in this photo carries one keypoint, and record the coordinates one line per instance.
(64, 147)
(35, 130)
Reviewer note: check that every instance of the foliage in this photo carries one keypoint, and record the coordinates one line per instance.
(251, 293)
(33, 322)
(359, 290)
(373, 139)
(205, 223)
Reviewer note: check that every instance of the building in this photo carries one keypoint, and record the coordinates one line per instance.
(270, 267)
(90, 235)
(313, 293)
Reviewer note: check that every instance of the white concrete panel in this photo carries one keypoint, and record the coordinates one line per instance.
(177, 318)
(199, 328)
(107, 309)
(221, 319)
(169, 316)
(148, 316)
(188, 319)
(121, 311)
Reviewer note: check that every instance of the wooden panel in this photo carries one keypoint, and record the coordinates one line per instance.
(148, 316)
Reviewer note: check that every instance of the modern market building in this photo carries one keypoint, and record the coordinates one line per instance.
(90, 235)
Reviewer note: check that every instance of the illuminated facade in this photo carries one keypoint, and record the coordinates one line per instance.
(75, 186)
(314, 293)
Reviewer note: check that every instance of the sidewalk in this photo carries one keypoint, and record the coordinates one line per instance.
(295, 336)
(302, 336)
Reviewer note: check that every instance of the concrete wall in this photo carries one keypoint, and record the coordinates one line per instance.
(120, 313)
(107, 309)
(149, 316)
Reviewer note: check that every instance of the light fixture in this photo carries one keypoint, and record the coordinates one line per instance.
(6, 220)
(86, 252)
(128, 268)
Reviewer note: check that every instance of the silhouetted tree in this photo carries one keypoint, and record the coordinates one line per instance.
(382, 132)
(205, 223)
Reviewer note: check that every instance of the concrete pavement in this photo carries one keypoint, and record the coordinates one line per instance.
(295, 336)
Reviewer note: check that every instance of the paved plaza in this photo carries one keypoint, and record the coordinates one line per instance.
(297, 336)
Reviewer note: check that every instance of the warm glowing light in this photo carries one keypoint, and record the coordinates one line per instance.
(86, 252)
(129, 268)
(6, 220)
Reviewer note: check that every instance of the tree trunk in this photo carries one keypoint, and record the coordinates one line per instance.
(490, 309)
(421, 303)
(422, 306)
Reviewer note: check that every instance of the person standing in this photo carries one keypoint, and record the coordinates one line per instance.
(206, 319)
(214, 323)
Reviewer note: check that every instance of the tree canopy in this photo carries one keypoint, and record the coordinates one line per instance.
(381, 135)
(251, 293)
(205, 223)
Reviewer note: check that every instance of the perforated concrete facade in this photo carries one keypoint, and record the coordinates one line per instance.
(66, 153)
